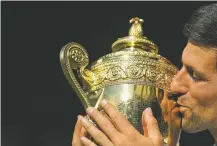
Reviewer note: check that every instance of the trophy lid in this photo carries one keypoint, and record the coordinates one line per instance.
(134, 60)
(135, 39)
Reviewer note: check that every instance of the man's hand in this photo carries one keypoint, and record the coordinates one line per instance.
(79, 132)
(126, 135)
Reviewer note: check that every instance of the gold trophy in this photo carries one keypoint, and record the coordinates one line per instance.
(133, 77)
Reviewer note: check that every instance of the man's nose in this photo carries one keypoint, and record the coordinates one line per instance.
(179, 84)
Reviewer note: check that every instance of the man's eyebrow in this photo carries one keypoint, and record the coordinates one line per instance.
(198, 73)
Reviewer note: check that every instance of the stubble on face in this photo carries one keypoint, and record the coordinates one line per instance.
(199, 102)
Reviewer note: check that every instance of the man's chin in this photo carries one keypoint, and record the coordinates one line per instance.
(189, 127)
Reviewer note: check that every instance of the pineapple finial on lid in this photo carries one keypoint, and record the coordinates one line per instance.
(136, 28)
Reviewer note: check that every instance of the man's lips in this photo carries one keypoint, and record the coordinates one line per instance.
(175, 105)
(182, 109)
(181, 104)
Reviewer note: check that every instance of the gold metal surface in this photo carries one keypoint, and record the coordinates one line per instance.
(133, 77)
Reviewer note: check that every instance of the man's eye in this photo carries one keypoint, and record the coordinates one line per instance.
(193, 75)
(196, 78)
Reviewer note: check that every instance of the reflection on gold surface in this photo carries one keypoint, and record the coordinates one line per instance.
(133, 77)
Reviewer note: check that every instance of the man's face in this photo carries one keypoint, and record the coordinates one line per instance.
(197, 83)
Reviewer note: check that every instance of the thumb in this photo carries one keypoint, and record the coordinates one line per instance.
(152, 127)
(144, 125)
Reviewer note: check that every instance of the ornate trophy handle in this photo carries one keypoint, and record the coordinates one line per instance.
(72, 57)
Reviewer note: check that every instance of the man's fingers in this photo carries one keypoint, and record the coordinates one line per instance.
(144, 125)
(118, 119)
(153, 129)
(83, 132)
(104, 123)
(95, 133)
(176, 122)
(87, 142)
(77, 132)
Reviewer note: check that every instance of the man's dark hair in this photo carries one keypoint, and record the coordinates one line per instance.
(202, 27)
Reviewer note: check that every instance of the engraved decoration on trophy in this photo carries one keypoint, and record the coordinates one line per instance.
(133, 77)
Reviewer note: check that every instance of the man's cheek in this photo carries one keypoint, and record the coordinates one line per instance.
(199, 96)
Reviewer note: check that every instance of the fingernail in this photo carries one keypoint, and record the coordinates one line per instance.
(143, 117)
(83, 139)
(90, 110)
(84, 122)
(148, 111)
(103, 102)
(144, 121)
(79, 118)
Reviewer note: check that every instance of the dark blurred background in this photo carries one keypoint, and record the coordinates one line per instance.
(39, 108)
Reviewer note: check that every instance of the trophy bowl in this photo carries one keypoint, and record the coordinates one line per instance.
(133, 77)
